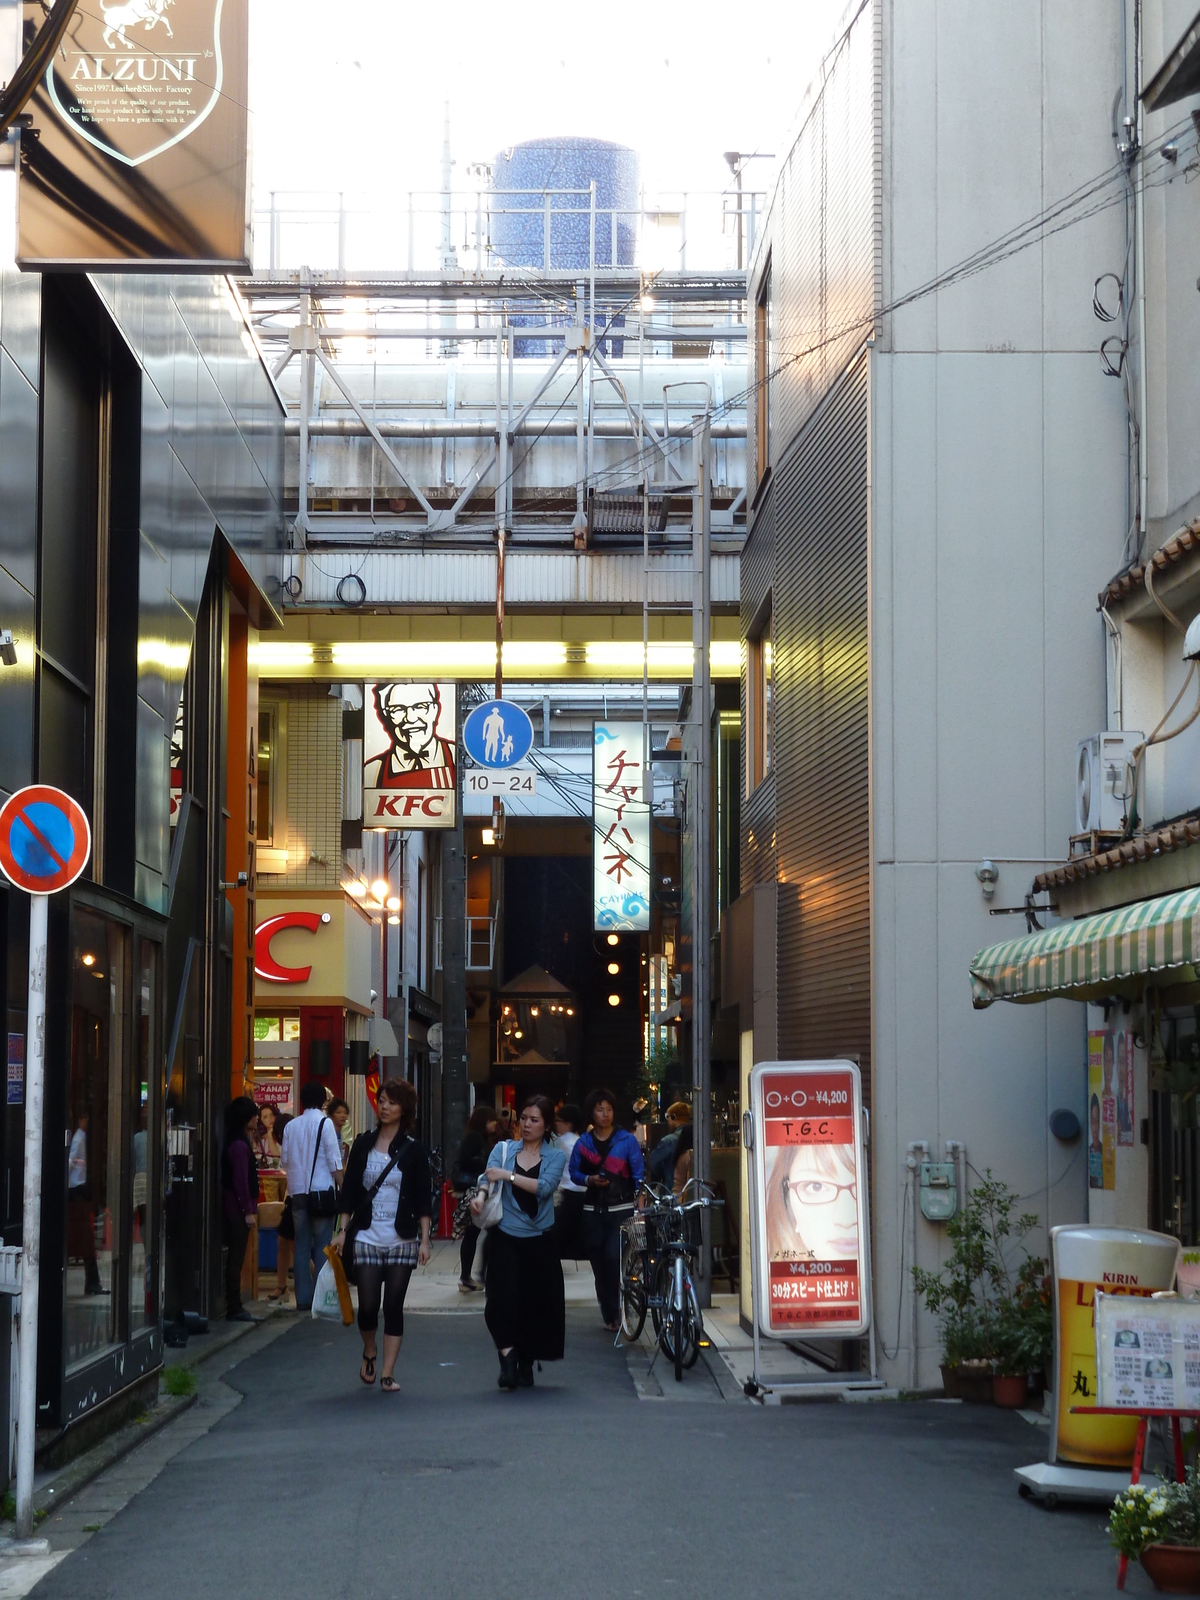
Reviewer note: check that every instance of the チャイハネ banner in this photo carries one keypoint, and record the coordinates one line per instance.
(410, 755)
(620, 829)
(137, 153)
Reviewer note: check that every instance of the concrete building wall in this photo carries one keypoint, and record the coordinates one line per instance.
(998, 473)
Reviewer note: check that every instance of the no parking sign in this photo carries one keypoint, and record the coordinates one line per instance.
(45, 839)
(45, 842)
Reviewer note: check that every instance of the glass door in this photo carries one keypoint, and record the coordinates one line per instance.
(96, 1158)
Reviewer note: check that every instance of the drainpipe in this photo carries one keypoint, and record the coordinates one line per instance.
(1140, 247)
(956, 1151)
(917, 1152)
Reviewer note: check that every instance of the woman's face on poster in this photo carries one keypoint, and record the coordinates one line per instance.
(822, 1201)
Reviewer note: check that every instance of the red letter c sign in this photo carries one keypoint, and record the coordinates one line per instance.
(265, 964)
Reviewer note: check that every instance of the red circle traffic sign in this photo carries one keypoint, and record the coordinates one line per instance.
(45, 839)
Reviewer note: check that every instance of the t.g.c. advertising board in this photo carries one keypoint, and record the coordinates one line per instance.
(137, 152)
(810, 1199)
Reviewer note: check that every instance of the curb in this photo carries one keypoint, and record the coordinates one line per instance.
(76, 1474)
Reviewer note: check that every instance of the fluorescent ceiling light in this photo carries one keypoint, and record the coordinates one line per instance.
(280, 654)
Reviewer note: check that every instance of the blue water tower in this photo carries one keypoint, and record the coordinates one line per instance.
(518, 220)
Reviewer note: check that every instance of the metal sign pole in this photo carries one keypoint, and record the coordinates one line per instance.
(35, 1079)
(751, 1201)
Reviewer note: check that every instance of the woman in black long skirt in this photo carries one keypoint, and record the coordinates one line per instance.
(525, 1313)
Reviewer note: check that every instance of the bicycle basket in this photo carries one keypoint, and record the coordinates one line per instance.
(635, 1233)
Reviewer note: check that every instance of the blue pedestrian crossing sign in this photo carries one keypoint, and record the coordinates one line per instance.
(497, 734)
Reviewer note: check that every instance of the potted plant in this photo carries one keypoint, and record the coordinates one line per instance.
(1159, 1525)
(993, 1314)
(1024, 1334)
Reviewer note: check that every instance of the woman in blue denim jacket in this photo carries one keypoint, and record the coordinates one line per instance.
(525, 1313)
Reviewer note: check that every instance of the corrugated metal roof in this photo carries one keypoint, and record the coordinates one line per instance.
(438, 577)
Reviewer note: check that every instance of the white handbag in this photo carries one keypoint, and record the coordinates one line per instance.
(492, 1209)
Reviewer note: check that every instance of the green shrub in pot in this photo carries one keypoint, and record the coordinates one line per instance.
(991, 1298)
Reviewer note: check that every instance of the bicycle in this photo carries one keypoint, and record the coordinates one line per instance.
(656, 1275)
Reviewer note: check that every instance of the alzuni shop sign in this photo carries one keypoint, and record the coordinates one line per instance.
(138, 151)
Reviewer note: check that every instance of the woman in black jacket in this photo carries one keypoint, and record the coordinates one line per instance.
(387, 1199)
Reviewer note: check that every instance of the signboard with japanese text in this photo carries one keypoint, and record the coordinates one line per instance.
(810, 1200)
(138, 151)
(16, 1068)
(1131, 1262)
(1148, 1353)
(621, 829)
(410, 755)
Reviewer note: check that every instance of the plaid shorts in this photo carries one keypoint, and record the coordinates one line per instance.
(403, 1254)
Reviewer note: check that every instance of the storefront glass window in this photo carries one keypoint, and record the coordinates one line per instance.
(99, 1041)
(143, 1296)
(266, 775)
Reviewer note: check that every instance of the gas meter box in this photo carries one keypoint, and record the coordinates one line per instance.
(939, 1191)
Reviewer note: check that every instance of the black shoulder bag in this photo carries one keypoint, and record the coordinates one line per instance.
(364, 1208)
(319, 1202)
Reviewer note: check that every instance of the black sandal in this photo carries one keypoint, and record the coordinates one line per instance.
(367, 1371)
(389, 1385)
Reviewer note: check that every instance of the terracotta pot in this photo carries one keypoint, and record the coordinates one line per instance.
(975, 1381)
(950, 1387)
(1173, 1568)
(1010, 1392)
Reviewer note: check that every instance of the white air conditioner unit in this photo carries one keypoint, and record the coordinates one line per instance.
(1104, 781)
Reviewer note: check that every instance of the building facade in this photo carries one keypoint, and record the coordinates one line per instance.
(141, 464)
(940, 479)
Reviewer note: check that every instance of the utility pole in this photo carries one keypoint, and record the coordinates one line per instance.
(700, 799)
(454, 970)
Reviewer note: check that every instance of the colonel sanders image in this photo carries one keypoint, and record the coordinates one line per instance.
(417, 757)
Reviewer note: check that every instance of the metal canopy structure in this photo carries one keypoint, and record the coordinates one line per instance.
(447, 401)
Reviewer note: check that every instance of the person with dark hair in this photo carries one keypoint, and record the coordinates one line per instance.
(526, 1312)
(482, 1131)
(387, 1201)
(312, 1159)
(607, 1162)
(239, 1198)
(568, 1212)
(338, 1113)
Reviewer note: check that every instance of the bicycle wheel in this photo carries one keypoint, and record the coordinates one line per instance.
(633, 1295)
(677, 1340)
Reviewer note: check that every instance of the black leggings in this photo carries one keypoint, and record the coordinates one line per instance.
(466, 1254)
(392, 1284)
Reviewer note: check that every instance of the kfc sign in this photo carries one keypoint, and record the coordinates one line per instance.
(410, 767)
(265, 964)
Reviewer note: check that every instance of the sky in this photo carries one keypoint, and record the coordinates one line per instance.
(350, 97)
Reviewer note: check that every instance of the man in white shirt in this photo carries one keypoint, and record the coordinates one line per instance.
(311, 1158)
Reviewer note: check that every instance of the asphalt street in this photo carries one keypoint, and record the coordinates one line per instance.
(314, 1486)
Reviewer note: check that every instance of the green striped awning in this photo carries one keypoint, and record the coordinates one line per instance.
(1088, 958)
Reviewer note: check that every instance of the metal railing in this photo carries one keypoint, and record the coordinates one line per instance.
(466, 230)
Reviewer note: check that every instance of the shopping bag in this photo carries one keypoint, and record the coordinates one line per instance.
(334, 1259)
(326, 1302)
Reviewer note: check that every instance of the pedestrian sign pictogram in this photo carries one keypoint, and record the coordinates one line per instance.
(498, 734)
(45, 839)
